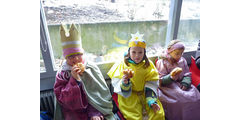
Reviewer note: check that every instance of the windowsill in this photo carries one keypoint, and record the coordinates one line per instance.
(47, 79)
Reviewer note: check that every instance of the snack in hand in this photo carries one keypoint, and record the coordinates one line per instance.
(125, 71)
(128, 72)
(176, 71)
(81, 67)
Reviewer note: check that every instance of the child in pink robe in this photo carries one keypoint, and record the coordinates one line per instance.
(180, 99)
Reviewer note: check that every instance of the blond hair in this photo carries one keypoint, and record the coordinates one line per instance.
(172, 42)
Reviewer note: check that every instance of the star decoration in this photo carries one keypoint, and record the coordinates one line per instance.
(137, 37)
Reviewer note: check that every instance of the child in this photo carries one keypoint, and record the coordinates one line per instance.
(129, 79)
(80, 88)
(180, 99)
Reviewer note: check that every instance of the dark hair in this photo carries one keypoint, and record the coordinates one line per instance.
(126, 57)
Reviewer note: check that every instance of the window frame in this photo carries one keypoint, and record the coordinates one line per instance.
(174, 20)
(47, 78)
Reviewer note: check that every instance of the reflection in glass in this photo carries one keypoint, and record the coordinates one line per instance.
(189, 26)
(107, 26)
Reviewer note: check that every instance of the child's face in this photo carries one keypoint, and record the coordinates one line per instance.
(74, 59)
(136, 54)
(177, 54)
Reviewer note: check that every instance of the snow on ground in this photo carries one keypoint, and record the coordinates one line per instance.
(92, 11)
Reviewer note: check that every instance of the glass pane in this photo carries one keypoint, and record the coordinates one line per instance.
(42, 66)
(107, 26)
(189, 27)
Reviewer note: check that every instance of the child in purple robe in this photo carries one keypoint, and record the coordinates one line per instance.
(80, 89)
(180, 99)
(71, 95)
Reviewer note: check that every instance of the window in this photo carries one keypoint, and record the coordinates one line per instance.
(189, 26)
(107, 26)
(42, 66)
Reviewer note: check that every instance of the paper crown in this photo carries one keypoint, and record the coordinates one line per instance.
(137, 41)
(71, 44)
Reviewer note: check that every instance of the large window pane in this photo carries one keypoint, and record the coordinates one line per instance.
(189, 27)
(106, 26)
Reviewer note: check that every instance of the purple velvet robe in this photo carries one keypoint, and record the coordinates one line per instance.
(177, 103)
(72, 98)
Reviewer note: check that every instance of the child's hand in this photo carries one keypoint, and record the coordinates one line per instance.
(81, 67)
(183, 87)
(75, 73)
(175, 72)
(127, 74)
(97, 118)
(155, 107)
(125, 78)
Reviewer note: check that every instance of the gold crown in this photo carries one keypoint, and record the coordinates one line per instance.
(71, 41)
(137, 41)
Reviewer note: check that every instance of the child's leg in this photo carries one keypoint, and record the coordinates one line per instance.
(159, 115)
(130, 107)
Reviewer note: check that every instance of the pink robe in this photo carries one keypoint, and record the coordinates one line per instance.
(178, 104)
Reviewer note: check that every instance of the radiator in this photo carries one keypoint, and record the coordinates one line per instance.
(47, 101)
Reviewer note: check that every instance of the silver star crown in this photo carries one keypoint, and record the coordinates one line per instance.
(137, 37)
